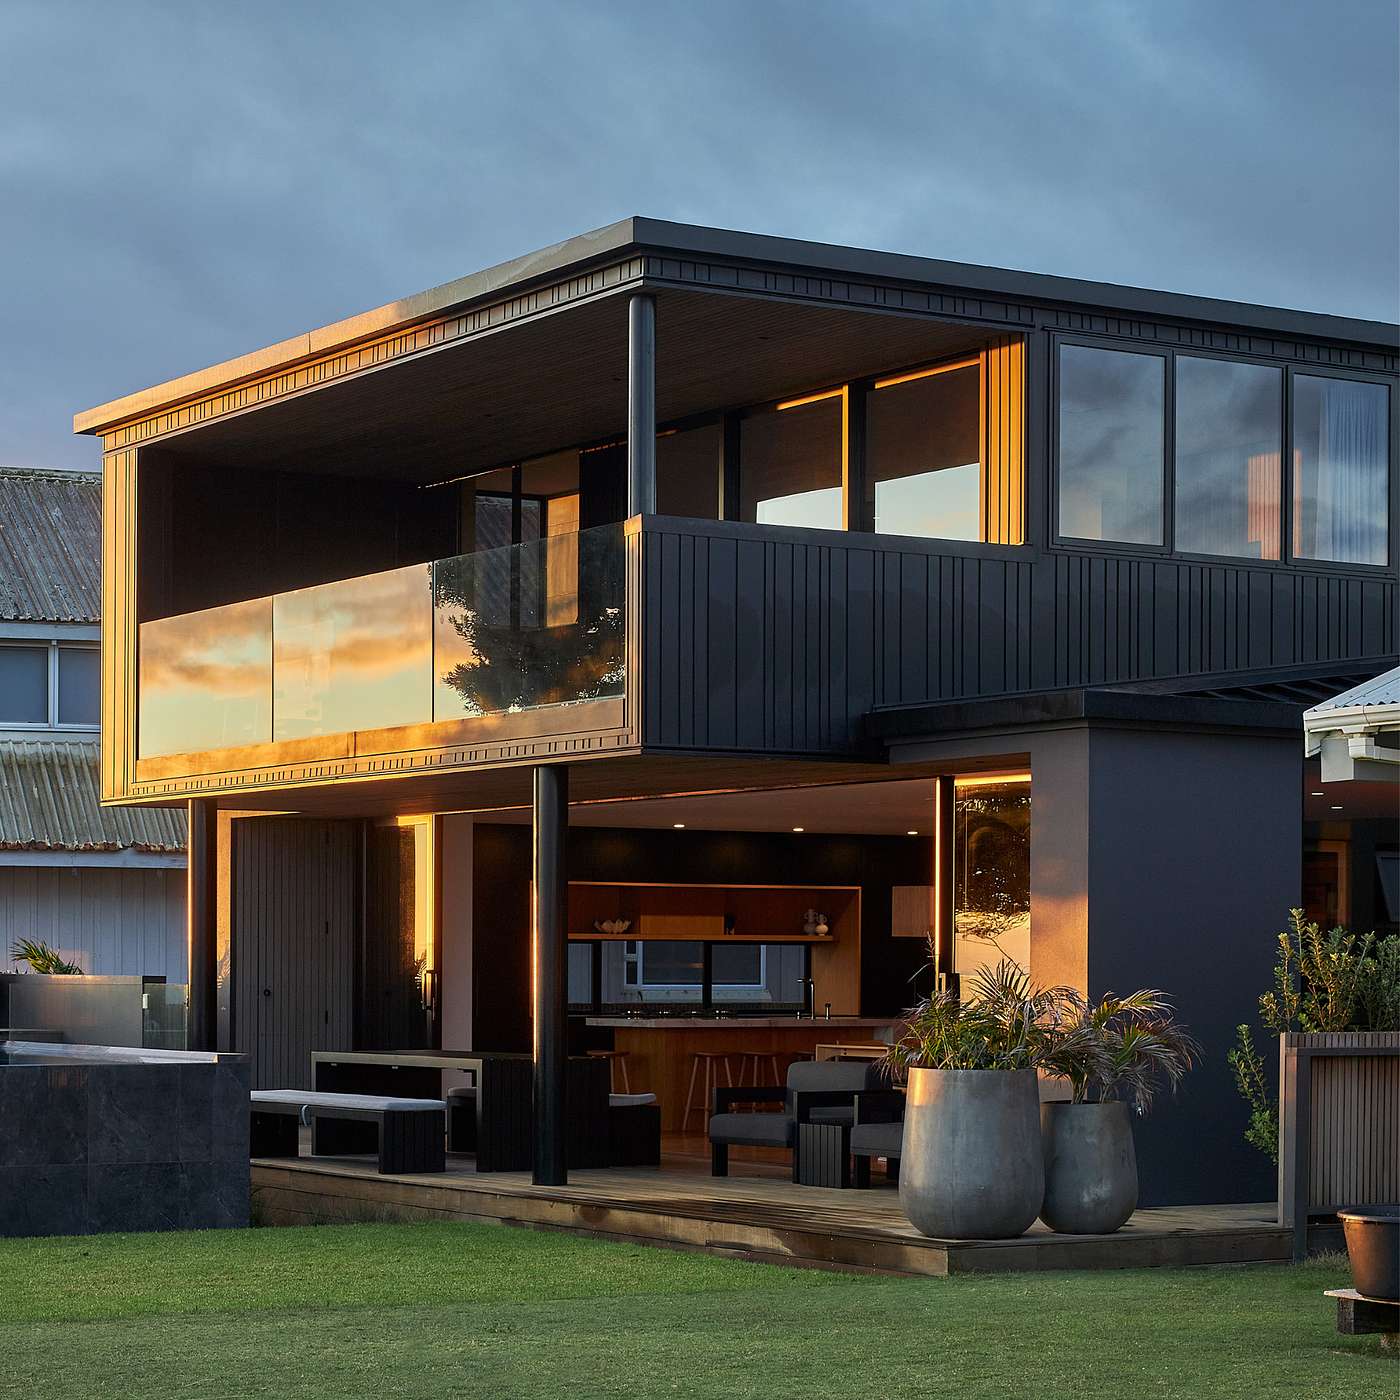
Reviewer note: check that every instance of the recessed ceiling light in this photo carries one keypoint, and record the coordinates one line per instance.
(1319, 794)
(679, 826)
(799, 828)
(911, 833)
(1337, 808)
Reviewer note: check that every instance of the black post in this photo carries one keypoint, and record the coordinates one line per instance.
(549, 939)
(944, 872)
(201, 1026)
(641, 405)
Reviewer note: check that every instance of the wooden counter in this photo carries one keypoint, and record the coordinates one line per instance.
(659, 1049)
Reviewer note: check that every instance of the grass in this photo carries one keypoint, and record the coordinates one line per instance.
(410, 1311)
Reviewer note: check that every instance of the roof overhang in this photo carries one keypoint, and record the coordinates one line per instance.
(683, 253)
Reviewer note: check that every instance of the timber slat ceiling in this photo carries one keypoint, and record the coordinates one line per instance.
(562, 381)
(48, 802)
(50, 545)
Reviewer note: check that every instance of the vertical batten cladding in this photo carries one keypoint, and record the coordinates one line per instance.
(782, 640)
(1003, 432)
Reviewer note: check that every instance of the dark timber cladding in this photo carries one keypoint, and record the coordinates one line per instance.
(784, 639)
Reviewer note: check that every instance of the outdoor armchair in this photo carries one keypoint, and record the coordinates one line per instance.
(821, 1091)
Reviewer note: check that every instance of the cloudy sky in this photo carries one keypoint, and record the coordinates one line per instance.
(182, 182)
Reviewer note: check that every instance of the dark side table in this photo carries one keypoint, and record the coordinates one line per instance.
(824, 1154)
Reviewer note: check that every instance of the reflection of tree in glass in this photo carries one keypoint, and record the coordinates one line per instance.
(994, 884)
(526, 665)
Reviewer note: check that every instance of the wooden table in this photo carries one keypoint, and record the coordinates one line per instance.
(659, 1048)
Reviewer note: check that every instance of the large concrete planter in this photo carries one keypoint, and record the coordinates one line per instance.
(1091, 1179)
(972, 1167)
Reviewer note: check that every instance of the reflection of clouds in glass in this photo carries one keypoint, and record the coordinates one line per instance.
(355, 654)
(206, 679)
(1229, 426)
(1111, 445)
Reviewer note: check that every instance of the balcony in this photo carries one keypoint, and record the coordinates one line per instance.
(524, 639)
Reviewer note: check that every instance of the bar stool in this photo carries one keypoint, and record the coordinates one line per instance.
(617, 1060)
(751, 1062)
(705, 1066)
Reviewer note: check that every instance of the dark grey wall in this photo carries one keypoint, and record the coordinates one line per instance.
(1195, 858)
(1163, 857)
(783, 640)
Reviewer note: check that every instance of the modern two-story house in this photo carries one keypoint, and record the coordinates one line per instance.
(682, 621)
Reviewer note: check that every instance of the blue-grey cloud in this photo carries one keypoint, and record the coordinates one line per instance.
(183, 182)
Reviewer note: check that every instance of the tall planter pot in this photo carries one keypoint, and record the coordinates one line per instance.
(1091, 1179)
(972, 1167)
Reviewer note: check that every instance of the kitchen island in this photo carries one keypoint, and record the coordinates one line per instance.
(659, 1049)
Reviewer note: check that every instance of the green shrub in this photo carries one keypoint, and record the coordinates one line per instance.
(1333, 981)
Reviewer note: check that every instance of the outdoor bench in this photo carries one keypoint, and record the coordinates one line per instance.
(408, 1133)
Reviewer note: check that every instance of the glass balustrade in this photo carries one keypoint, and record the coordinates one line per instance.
(520, 628)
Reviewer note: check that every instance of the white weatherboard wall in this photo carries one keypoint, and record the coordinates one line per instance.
(117, 922)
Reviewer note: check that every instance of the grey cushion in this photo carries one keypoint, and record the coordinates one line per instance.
(877, 1139)
(766, 1129)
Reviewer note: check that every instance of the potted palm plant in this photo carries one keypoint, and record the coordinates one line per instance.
(972, 1166)
(1115, 1054)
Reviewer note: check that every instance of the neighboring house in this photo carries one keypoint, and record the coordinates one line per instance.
(1352, 856)
(844, 598)
(105, 886)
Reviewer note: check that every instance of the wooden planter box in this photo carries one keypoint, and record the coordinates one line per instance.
(1339, 1124)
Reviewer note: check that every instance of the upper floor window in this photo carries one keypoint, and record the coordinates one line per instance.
(1111, 444)
(1341, 433)
(49, 684)
(791, 462)
(1236, 470)
(923, 465)
(1229, 457)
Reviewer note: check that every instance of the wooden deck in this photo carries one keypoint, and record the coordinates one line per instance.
(754, 1213)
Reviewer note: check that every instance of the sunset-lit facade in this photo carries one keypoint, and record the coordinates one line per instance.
(930, 599)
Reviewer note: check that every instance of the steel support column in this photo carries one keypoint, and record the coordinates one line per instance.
(550, 959)
(641, 405)
(201, 1026)
(944, 873)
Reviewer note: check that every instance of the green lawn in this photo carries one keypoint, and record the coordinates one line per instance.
(408, 1311)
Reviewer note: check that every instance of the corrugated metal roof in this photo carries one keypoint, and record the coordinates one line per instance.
(1379, 690)
(50, 546)
(49, 802)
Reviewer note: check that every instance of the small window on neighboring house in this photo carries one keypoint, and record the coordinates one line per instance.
(24, 685)
(78, 685)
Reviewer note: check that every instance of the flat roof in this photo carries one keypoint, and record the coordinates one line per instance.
(689, 240)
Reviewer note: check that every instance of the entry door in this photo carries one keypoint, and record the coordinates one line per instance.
(294, 904)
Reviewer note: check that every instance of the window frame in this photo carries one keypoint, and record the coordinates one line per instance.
(1080, 543)
(53, 645)
(1287, 560)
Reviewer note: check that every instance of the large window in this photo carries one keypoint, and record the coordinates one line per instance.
(49, 684)
(1341, 435)
(1229, 457)
(791, 459)
(923, 454)
(1111, 445)
(1238, 470)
